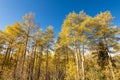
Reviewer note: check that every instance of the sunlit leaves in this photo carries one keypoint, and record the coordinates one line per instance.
(32, 48)
(49, 34)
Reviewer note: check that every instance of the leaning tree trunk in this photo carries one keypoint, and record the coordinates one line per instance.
(109, 60)
(110, 66)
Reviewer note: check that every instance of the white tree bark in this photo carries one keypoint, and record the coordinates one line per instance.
(82, 65)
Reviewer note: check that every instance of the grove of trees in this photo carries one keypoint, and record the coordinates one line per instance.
(87, 48)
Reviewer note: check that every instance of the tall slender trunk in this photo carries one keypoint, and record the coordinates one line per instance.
(57, 66)
(23, 58)
(31, 64)
(66, 59)
(9, 59)
(47, 76)
(15, 75)
(15, 67)
(38, 66)
(67, 56)
(82, 58)
(6, 56)
(24, 54)
(77, 63)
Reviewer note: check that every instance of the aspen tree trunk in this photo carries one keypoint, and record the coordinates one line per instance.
(57, 66)
(47, 76)
(79, 57)
(66, 60)
(67, 55)
(23, 57)
(109, 61)
(9, 59)
(77, 65)
(38, 67)
(28, 68)
(111, 68)
(24, 53)
(15, 75)
(6, 56)
(31, 64)
(82, 58)
(15, 67)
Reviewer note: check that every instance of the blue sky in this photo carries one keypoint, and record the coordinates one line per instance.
(53, 12)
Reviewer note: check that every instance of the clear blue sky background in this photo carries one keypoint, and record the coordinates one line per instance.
(53, 12)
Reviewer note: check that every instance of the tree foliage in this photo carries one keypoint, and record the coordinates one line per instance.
(86, 49)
